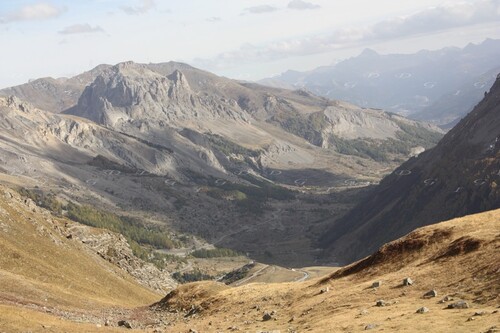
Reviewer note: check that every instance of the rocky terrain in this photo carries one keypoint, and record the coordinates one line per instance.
(162, 143)
(458, 177)
(439, 86)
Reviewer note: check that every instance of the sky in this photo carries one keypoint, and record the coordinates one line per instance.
(242, 39)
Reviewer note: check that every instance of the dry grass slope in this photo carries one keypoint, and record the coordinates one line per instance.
(459, 258)
(42, 271)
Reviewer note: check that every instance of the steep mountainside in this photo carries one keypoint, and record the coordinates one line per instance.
(438, 86)
(50, 270)
(460, 176)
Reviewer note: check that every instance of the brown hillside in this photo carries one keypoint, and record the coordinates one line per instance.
(459, 259)
(44, 275)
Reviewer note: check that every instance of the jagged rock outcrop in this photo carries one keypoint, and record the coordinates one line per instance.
(115, 249)
(132, 93)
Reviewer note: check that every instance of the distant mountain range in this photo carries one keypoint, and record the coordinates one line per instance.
(438, 86)
(460, 176)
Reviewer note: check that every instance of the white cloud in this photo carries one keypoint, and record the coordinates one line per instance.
(80, 29)
(302, 5)
(260, 9)
(431, 20)
(438, 18)
(146, 6)
(214, 19)
(38, 11)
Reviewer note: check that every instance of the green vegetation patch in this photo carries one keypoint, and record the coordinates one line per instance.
(252, 199)
(47, 201)
(228, 147)
(128, 227)
(192, 276)
(214, 253)
(309, 127)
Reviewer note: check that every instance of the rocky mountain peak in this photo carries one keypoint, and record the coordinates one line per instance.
(131, 93)
(179, 79)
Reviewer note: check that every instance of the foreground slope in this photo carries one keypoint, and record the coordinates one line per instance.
(460, 176)
(458, 259)
(46, 274)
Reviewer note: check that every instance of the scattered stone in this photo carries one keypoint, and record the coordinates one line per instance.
(381, 302)
(267, 316)
(124, 323)
(192, 330)
(363, 312)
(370, 326)
(407, 282)
(459, 305)
(324, 290)
(376, 284)
(107, 323)
(479, 313)
(423, 310)
(98, 325)
(471, 319)
(430, 294)
(292, 319)
(446, 299)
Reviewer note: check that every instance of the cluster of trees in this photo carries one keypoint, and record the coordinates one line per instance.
(214, 253)
(227, 147)
(192, 276)
(308, 128)
(47, 201)
(130, 228)
(253, 199)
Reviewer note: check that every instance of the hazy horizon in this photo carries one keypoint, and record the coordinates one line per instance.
(243, 39)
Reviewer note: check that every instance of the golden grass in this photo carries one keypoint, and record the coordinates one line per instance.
(39, 268)
(472, 276)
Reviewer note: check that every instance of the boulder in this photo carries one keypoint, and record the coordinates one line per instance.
(124, 323)
(423, 310)
(267, 316)
(407, 282)
(430, 294)
(459, 305)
